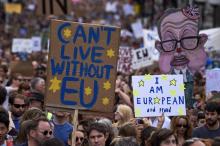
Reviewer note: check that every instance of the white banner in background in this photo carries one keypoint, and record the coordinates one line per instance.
(137, 28)
(141, 58)
(21, 45)
(213, 43)
(212, 80)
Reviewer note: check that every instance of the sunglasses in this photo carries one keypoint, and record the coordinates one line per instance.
(79, 138)
(19, 105)
(179, 125)
(46, 132)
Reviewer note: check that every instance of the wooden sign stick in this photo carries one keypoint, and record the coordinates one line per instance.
(75, 123)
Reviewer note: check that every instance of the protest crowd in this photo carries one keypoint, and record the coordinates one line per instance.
(26, 120)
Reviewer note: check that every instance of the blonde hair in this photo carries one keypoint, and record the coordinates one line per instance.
(126, 114)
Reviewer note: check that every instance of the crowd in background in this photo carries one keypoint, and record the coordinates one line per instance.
(23, 118)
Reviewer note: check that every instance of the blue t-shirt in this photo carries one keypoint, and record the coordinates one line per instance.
(62, 131)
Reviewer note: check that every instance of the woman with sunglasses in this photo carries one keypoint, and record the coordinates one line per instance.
(182, 128)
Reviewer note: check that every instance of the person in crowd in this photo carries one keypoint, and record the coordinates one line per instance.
(212, 128)
(163, 137)
(124, 141)
(201, 119)
(197, 142)
(146, 135)
(97, 134)
(123, 114)
(182, 128)
(12, 86)
(36, 99)
(4, 125)
(62, 127)
(53, 142)
(127, 130)
(18, 105)
(38, 85)
(37, 131)
(84, 125)
(110, 134)
(80, 137)
(30, 114)
(193, 116)
(3, 74)
(24, 89)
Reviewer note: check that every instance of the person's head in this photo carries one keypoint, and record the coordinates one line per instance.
(24, 88)
(163, 137)
(181, 44)
(146, 135)
(211, 114)
(36, 99)
(3, 70)
(15, 79)
(32, 114)
(53, 142)
(182, 126)
(38, 85)
(97, 134)
(18, 104)
(38, 131)
(123, 114)
(127, 129)
(201, 119)
(124, 141)
(79, 137)
(193, 142)
(4, 124)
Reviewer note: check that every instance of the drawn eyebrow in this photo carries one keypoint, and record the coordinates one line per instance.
(178, 23)
(180, 26)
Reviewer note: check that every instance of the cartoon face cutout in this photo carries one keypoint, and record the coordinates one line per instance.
(181, 46)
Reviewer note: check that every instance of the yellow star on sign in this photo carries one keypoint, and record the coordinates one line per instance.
(173, 92)
(164, 77)
(156, 100)
(110, 53)
(137, 112)
(107, 85)
(173, 82)
(147, 77)
(180, 111)
(182, 87)
(105, 101)
(55, 84)
(67, 32)
(88, 90)
(141, 83)
(135, 92)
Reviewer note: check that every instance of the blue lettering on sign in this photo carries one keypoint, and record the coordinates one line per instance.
(84, 61)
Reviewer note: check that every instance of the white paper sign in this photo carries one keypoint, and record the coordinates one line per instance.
(157, 94)
(141, 58)
(137, 29)
(150, 36)
(212, 80)
(36, 44)
(21, 45)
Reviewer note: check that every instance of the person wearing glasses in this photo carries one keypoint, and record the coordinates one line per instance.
(37, 131)
(181, 47)
(212, 128)
(182, 128)
(18, 105)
